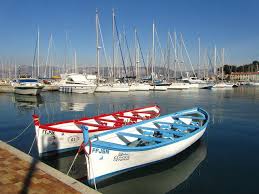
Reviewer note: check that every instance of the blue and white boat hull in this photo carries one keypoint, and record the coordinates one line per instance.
(107, 155)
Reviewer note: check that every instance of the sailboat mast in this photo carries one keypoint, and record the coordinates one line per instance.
(175, 55)
(168, 55)
(222, 72)
(113, 45)
(38, 53)
(15, 69)
(136, 65)
(75, 62)
(97, 46)
(215, 60)
(199, 57)
(153, 52)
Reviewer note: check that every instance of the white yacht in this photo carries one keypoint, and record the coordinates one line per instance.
(6, 87)
(158, 85)
(27, 86)
(135, 86)
(198, 83)
(178, 86)
(103, 88)
(120, 87)
(77, 83)
(223, 85)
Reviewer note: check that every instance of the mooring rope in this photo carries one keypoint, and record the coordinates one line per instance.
(32, 145)
(23, 131)
(78, 152)
(91, 166)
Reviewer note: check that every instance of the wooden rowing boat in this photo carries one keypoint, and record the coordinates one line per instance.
(143, 143)
(66, 135)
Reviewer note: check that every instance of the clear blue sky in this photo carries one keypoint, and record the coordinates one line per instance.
(232, 24)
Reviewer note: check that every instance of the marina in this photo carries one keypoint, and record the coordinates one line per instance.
(222, 139)
(129, 97)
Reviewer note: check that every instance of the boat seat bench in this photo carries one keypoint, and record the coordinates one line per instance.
(143, 137)
(163, 131)
(182, 126)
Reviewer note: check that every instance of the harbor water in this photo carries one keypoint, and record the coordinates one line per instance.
(225, 160)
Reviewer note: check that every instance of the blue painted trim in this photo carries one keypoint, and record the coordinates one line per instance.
(190, 117)
(85, 133)
(112, 146)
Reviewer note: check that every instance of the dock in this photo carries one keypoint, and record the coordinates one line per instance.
(21, 173)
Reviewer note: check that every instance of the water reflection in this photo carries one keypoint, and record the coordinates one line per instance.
(72, 106)
(27, 101)
(159, 178)
(62, 162)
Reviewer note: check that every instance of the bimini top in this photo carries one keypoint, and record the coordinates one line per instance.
(26, 80)
(152, 133)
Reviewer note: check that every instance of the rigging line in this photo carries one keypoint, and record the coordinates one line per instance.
(124, 68)
(47, 60)
(23, 131)
(34, 58)
(131, 65)
(159, 44)
(104, 50)
(188, 56)
(142, 56)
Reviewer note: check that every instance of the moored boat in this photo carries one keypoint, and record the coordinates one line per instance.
(27, 86)
(134, 146)
(6, 87)
(77, 83)
(178, 86)
(66, 135)
(120, 87)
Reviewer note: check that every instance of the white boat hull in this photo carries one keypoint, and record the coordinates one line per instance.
(6, 88)
(50, 88)
(139, 87)
(178, 86)
(103, 162)
(27, 91)
(223, 85)
(200, 86)
(158, 88)
(80, 89)
(120, 88)
(103, 89)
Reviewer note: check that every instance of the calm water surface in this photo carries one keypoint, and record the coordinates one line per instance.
(226, 160)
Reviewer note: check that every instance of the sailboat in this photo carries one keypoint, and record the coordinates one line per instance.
(137, 85)
(116, 86)
(176, 85)
(156, 85)
(223, 84)
(101, 87)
